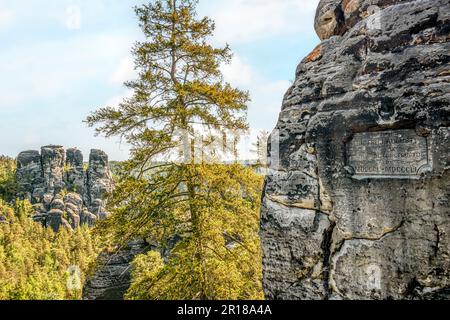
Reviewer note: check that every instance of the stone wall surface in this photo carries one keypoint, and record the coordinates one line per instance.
(356, 204)
(62, 192)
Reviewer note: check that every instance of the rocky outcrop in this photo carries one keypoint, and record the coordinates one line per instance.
(112, 278)
(334, 17)
(356, 204)
(67, 194)
(63, 194)
(98, 181)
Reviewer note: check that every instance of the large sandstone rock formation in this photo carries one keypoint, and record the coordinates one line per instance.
(356, 205)
(62, 192)
(65, 194)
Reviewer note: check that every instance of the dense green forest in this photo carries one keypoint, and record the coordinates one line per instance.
(35, 262)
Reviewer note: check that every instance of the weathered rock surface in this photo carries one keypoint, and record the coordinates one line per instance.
(62, 192)
(75, 175)
(98, 181)
(113, 276)
(52, 164)
(356, 204)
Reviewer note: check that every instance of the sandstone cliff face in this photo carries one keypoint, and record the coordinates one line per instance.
(356, 205)
(62, 192)
(113, 275)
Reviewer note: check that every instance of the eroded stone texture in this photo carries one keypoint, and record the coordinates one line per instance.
(63, 194)
(99, 181)
(113, 275)
(53, 159)
(327, 231)
(29, 173)
(75, 175)
(335, 17)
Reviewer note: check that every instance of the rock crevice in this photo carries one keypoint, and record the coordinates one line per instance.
(362, 146)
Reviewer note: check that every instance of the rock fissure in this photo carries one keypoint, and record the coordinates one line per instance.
(379, 72)
(368, 238)
(438, 240)
(326, 247)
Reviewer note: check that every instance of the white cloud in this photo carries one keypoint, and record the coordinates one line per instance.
(238, 72)
(73, 17)
(240, 21)
(55, 68)
(266, 95)
(124, 72)
(7, 18)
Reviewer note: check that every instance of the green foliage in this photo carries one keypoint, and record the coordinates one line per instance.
(67, 168)
(219, 255)
(36, 263)
(8, 186)
(214, 209)
(179, 85)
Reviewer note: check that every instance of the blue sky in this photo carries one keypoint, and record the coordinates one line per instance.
(62, 59)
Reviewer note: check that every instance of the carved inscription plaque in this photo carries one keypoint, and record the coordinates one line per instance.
(388, 154)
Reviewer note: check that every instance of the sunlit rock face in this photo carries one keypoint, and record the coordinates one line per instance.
(62, 192)
(356, 204)
(337, 17)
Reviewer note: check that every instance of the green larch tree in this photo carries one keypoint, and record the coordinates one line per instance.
(206, 215)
